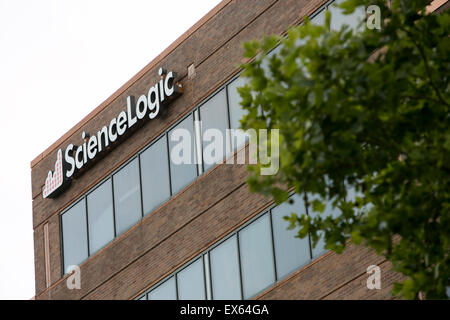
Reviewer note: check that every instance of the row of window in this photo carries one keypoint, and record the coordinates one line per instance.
(147, 181)
(151, 177)
(260, 253)
(245, 263)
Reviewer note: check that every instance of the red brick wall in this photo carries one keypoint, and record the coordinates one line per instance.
(212, 206)
(336, 276)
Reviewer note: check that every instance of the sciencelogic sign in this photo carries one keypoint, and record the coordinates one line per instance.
(76, 157)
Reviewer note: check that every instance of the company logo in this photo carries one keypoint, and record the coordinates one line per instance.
(54, 180)
(76, 157)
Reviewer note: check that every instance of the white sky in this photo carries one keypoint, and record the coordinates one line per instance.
(58, 61)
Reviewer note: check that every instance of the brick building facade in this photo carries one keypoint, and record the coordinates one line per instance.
(215, 204)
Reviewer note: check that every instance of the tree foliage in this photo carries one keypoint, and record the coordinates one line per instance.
(363, 113)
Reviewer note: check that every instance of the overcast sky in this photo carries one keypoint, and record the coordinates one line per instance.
(58, 61)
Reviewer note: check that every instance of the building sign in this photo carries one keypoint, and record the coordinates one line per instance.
(75, 157)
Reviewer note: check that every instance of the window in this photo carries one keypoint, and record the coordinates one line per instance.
(213, 115)
(265, 64)
(255, 246)
(127, 196)
(338, 18)
(225, 279)
(100, 216)
(319, 19)
(290, 252)
(155, 168)
(352, 194)
(74, 233)
(191, 282)
(183, 169)
(329, 211)
(237, 112)
(165, 291)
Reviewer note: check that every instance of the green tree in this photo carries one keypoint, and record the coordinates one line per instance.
(364, 125)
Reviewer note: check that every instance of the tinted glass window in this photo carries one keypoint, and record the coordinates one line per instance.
(265, 65)
(155, 175)
(74, 232)
(338, 18)
(329, 211)
(213, 115)
(237, 112)
(319, 19)
(165, 291)
(225, 271)
(183, 169)
(255, 246)
(127, 196)
(191, 282)
(290, 252)
(100, 217)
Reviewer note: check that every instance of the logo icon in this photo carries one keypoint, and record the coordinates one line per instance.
(54, 180)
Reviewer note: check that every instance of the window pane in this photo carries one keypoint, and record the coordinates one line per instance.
(155, 175)
(165, 291)
(329, 211)
(352, 194)
(265, 65)
(213, 115)
(183, 169)
(236, 112)
(127, 196)
(100, 217)
(225, 271)
(338, 18)
(191, 282)
(74, 234)
(255, 246)
(319, 19)
(290, 252)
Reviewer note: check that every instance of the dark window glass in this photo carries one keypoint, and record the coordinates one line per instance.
(319, 19)
(225, 271)
(127, 197)
(165, 291)
(191, 282)
(182, 147)
(74, 232)
(237, 112)
(255, 246)
(100, 217)
(329, 211)
(338, 18)
(265, 64)
(213, 115)
(290, 252)
(352, 194)
(155, 175)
